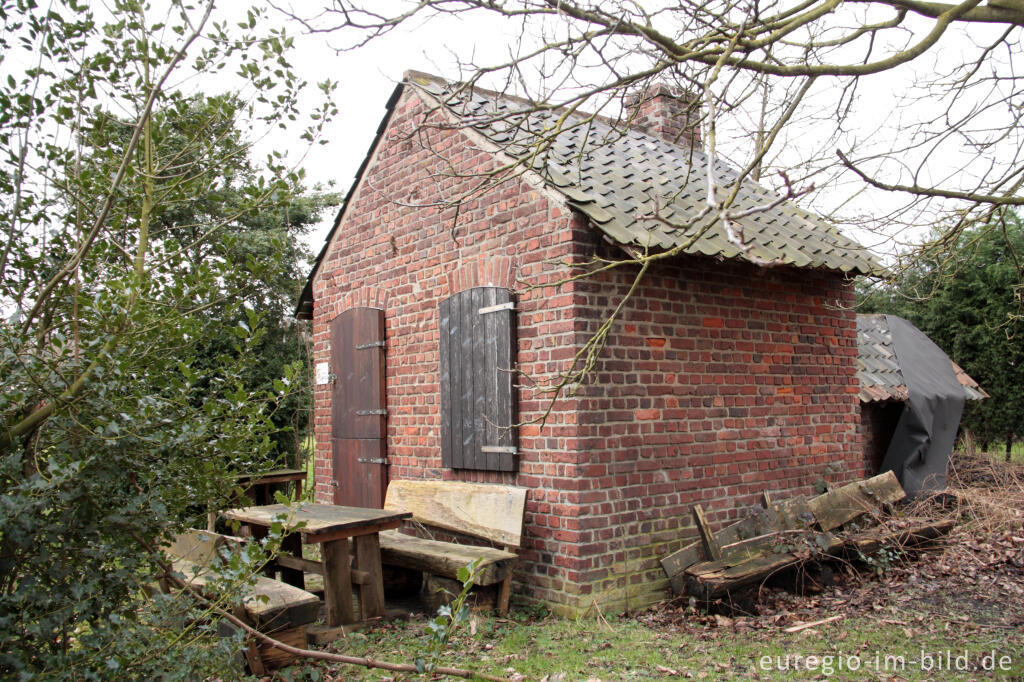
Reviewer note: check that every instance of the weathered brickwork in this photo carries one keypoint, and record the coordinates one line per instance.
(719, 381)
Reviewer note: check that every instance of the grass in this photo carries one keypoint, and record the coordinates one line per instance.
(625, 649)
(963, 601)
(997, 453)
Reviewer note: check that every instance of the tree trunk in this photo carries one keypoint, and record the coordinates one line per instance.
(1009, 445)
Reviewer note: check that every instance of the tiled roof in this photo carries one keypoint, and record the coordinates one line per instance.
(621, 179)
(879, 371)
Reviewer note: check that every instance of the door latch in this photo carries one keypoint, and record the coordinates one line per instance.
(372, 460)
(366, 413)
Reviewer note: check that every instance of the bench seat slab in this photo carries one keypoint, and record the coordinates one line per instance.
(444, 558)
(285, 606)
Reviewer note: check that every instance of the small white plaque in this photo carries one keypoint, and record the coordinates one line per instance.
(321, 373)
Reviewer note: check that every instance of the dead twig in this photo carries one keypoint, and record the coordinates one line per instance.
(806, 626)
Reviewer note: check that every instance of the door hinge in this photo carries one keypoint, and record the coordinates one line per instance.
(500, 449)
(366, 413)
(371, 344)
(495, 308)
(372, 460)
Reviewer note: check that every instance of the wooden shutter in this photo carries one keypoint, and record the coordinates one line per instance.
(478, 406)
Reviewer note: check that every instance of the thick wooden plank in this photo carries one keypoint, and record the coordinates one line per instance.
(321, 520)
(340, 359)
(491, 434)
(357, 361)
(268, 603)
(273, 476)
(337, 583)
(371, 584)
(838, 506)
(369, 354)
(470, 442)
(708, 580)
(506, 405)
(792, 514)
(359, 471)
(711, 585)
(444, 558)
(447, 425)
(457, 371)
(491, 512)
(478, 406)
(707, 538)
(274, 658)
(480, 385)
(304, 565)
(199, 547)
(310, 566)
(292, 544)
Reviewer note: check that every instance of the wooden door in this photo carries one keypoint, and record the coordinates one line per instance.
(358, 412)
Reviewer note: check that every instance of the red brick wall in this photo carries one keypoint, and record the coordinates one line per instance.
(720, 380)
(406, 259)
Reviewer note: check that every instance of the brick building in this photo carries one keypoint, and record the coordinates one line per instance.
(720, 378)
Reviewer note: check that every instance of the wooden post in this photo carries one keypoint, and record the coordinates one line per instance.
(711, 547)
(371, 589)
(504, 594)
(292, 543)
(337, 582)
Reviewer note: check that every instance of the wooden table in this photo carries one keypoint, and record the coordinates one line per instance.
(261, 486)
(330, 526)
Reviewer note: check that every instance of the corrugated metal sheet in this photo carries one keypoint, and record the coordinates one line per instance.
(878, 370)
(645, 192)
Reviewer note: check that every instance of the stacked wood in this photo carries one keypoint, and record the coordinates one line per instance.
(789, 533)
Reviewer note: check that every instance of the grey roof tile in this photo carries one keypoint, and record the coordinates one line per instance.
(620, 178)
(879, 371)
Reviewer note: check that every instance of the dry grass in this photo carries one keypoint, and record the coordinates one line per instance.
(986, 497)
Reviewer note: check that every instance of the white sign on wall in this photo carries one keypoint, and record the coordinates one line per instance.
(322, 374)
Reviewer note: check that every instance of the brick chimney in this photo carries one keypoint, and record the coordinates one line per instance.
(666, 112)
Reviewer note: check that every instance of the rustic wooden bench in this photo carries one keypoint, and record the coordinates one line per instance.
(488, 512)
(268, 605)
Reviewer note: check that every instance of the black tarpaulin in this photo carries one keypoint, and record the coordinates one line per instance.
(919, 451)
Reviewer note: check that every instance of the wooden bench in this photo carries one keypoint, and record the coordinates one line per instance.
(268, 605)
(488, 512)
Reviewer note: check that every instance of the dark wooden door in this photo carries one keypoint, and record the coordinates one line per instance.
(358, 412)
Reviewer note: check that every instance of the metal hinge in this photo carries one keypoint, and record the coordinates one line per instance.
(371, 344)
(372, 460)
(365, 413)
(495, 308)
(500, 449)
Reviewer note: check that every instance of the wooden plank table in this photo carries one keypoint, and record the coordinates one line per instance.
(330, 526)
(262, 485)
